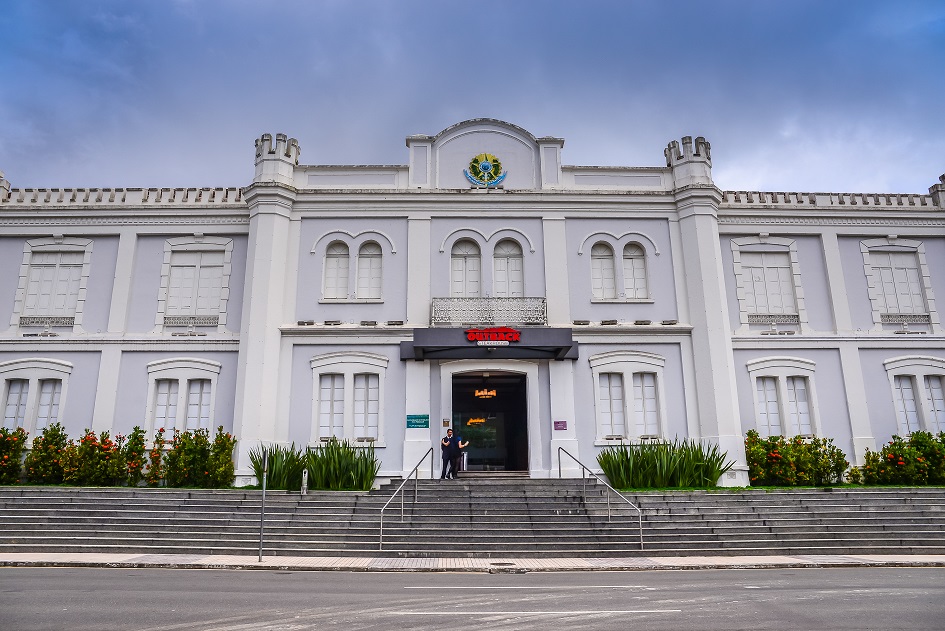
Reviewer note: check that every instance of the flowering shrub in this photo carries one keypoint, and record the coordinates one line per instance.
(187, 461)
(915, 461)
(44, 462)
(12, 444)
(156, 460)
(777, 461)
(134, 456)
(221, 467)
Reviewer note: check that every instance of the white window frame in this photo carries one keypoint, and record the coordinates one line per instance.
(637, 259)
(370, 272)
(600, 290)
(183, 370)
(354, 242)
(55, 244)
(465, 258)
(342, 274)
(195, 243)
(746, 316)
(628, 363)
(35, 370)
(893, 244)
(348, 365)
(781, 369)
(917, 368)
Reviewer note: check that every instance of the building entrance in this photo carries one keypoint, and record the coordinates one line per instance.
(490, 411)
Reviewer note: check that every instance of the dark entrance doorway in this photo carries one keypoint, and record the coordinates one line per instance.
(490, 411)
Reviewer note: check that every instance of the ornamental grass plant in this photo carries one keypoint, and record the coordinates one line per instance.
(340, 466)
(285, 465)
(679, 464)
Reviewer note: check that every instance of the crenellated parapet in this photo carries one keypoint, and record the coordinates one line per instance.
(836, 201)
(276, 162)
(937, 191)
(122, 197)
(4, 188)
(691, 162)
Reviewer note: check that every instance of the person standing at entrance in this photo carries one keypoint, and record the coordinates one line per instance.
(452, 449)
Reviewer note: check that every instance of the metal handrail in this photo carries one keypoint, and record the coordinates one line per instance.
(602, 481)
(413, 472)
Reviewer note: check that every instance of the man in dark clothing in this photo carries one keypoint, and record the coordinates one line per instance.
(452, 450)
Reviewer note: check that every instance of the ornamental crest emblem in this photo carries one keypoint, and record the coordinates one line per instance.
(485, 170)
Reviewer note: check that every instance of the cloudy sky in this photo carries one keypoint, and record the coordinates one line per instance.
(799, 95)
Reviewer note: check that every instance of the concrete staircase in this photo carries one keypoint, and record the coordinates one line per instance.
(493, 517)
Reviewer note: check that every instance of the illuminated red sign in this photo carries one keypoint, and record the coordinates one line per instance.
(498, 336)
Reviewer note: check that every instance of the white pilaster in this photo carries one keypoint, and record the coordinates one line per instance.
(106, 391)
(855, 389)
(418, 440)
(418, 272)
(257, 382)
(124, 273)
(562, 409)
(836, 283)
(557, 290)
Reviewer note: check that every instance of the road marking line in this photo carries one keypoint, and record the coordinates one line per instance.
(531, 613)
(549, 587)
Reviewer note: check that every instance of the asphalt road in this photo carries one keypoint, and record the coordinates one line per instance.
(154, 599)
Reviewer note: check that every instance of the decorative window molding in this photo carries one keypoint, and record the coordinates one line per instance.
(353, 265)
(628, 389)
(785, 396)
(182, 394)
(917, 383)
(768, 284)
(195, 282)
(465, 269)
(51, 292)
(899, 284)
(348, 397)
(626, 281)
(468, 233)
(34, 392)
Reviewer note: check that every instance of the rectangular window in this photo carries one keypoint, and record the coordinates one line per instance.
(769, 282)
(48, 411)
(936, 389)
(905, 404)
(331, 405)
(769, 414)
(165, 405)
(198, 404)
(52, 286)
(15, 408)
(897, 281)
(612, 404)
(644, 403)
(195, 284)
(366, 405)
(798, 406)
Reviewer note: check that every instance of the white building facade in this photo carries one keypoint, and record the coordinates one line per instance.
(483, 286)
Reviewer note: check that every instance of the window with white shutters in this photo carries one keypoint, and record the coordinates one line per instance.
(634, 272)
(603, 283)
(366, 405)
(785, 399)
(369, 271)
(906, 410)
(935, 387)
(198, 404)
(165, 404)
(53, 283)
(465, 270)
(195, 284)
(14, 414)
(508, 280)
(336, 271)
(612, 404)
(798, 407)
(897, 282)
(645, 408)
(769, 282)
(47, 411)
(331, 406)
(769, 411)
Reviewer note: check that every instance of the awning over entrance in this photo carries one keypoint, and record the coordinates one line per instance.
(490, 343)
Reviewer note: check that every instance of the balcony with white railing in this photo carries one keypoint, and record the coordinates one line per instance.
(460, 311)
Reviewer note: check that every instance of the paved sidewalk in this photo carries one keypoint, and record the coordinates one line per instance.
(453, 564)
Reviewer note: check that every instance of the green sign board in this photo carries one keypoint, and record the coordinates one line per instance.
(421, 421)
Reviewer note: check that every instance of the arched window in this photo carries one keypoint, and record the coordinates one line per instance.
(182, 393)
(508, 280)
(348, 397)
(785, 399)
(33, 392)
(630, 402)
(918, 386)
(369, 271)
(336, 271)
(465, 270)
(634, 272)
(603, 286)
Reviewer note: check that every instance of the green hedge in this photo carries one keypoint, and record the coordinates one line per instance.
(914, 461)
